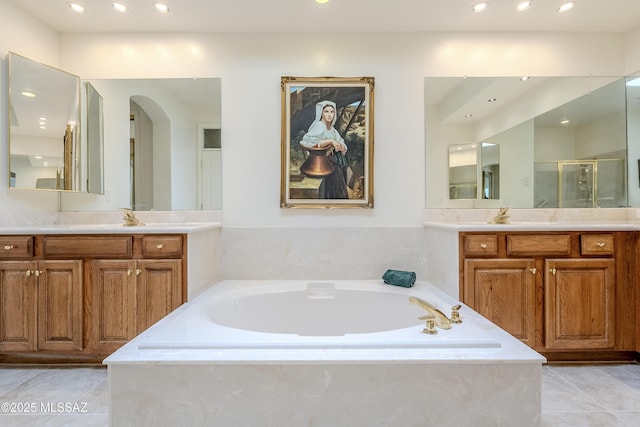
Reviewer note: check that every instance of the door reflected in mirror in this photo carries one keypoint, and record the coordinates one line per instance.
(490, 158)
(95, 141)
(463, 171)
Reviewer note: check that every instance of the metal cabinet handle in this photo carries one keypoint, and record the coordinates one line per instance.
(160, 246)
(483, 245)
(129, 272)
(28, 273)
(552, 271)
(138, 271)
(601, 244)
(8, 247)
(533, 270)
(38, 273)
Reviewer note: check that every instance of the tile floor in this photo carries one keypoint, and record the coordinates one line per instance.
(572, 396)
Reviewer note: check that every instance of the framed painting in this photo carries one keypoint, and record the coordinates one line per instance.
(327, 142)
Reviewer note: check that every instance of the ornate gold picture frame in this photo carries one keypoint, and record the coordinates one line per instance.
(327, 142)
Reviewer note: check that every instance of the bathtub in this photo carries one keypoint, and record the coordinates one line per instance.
(311, 314)
(322, 353)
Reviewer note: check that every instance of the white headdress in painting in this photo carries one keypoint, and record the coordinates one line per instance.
(320, 106)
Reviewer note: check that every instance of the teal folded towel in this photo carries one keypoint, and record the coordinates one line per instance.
(399, 278)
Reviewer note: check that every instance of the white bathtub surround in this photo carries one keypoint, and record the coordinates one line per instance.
(320, 252)
(328, 386)
(326, 395)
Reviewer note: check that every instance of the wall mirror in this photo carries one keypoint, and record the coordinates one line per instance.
(162, 145)
(543, 142)
(44, 117)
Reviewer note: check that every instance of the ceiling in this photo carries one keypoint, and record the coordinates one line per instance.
(335, 16)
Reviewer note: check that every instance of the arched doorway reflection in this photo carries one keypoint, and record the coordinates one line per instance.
(150, 155)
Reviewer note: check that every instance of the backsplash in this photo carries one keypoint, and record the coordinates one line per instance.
(320, 253)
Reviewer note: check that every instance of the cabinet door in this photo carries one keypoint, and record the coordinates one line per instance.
(17, 306)
(579, 303)
(503, 291)
(159, 290)
(113, 304)
(59, 305)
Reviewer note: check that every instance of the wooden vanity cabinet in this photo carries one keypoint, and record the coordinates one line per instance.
(561, 293)
(129, 295)
(40, 300)
(77, 298)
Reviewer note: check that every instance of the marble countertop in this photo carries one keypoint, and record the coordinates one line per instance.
(536, 226)
(148, 228)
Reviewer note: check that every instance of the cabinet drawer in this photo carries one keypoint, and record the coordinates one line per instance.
(16, 246)
(596, 244)
(480, 244)
(86, 246)
(161, 246)
(536, 244)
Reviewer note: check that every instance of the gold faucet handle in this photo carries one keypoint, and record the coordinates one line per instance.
(455, 314)
(430, 326)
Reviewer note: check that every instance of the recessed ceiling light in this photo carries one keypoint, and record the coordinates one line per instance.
(524, 5)
(564, 122)
(524, 78)
(468, 115)
(162, 7)
(322, 1)
(491, 100)
(119, 7)
(28, 94)
(77, 8)
(566, 6)
(479, 7)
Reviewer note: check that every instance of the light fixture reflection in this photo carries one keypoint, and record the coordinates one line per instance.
(162, 7)
(522, 6)
(119, 7)
(77, 8)
(566, 6)
(479, 7)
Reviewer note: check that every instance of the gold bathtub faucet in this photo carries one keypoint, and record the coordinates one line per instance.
(442, 321)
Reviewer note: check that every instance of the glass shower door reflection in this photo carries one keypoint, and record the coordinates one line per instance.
(576, 186)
